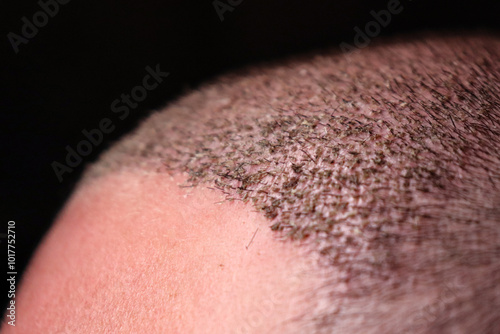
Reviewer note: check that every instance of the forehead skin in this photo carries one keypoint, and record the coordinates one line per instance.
(385, 166)
(135, 253)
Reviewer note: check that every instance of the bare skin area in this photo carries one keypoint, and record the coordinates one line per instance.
(136, 253)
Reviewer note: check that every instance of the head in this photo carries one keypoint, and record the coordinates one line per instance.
(317, 194)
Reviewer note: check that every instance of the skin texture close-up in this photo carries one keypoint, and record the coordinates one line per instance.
(135, 253)
(326, 193)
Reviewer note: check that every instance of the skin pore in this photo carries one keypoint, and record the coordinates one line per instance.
(366, 188)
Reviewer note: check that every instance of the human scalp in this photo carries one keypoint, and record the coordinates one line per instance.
(385, 163)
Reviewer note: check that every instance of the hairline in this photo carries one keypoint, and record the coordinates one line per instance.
(127, 154)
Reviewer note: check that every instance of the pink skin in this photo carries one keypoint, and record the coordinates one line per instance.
(134, 253)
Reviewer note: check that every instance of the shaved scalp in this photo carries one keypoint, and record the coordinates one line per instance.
(386, 165)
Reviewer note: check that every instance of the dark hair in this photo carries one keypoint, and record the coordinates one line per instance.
(386, 164)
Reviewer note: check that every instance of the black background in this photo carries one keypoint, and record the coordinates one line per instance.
(65, 78)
